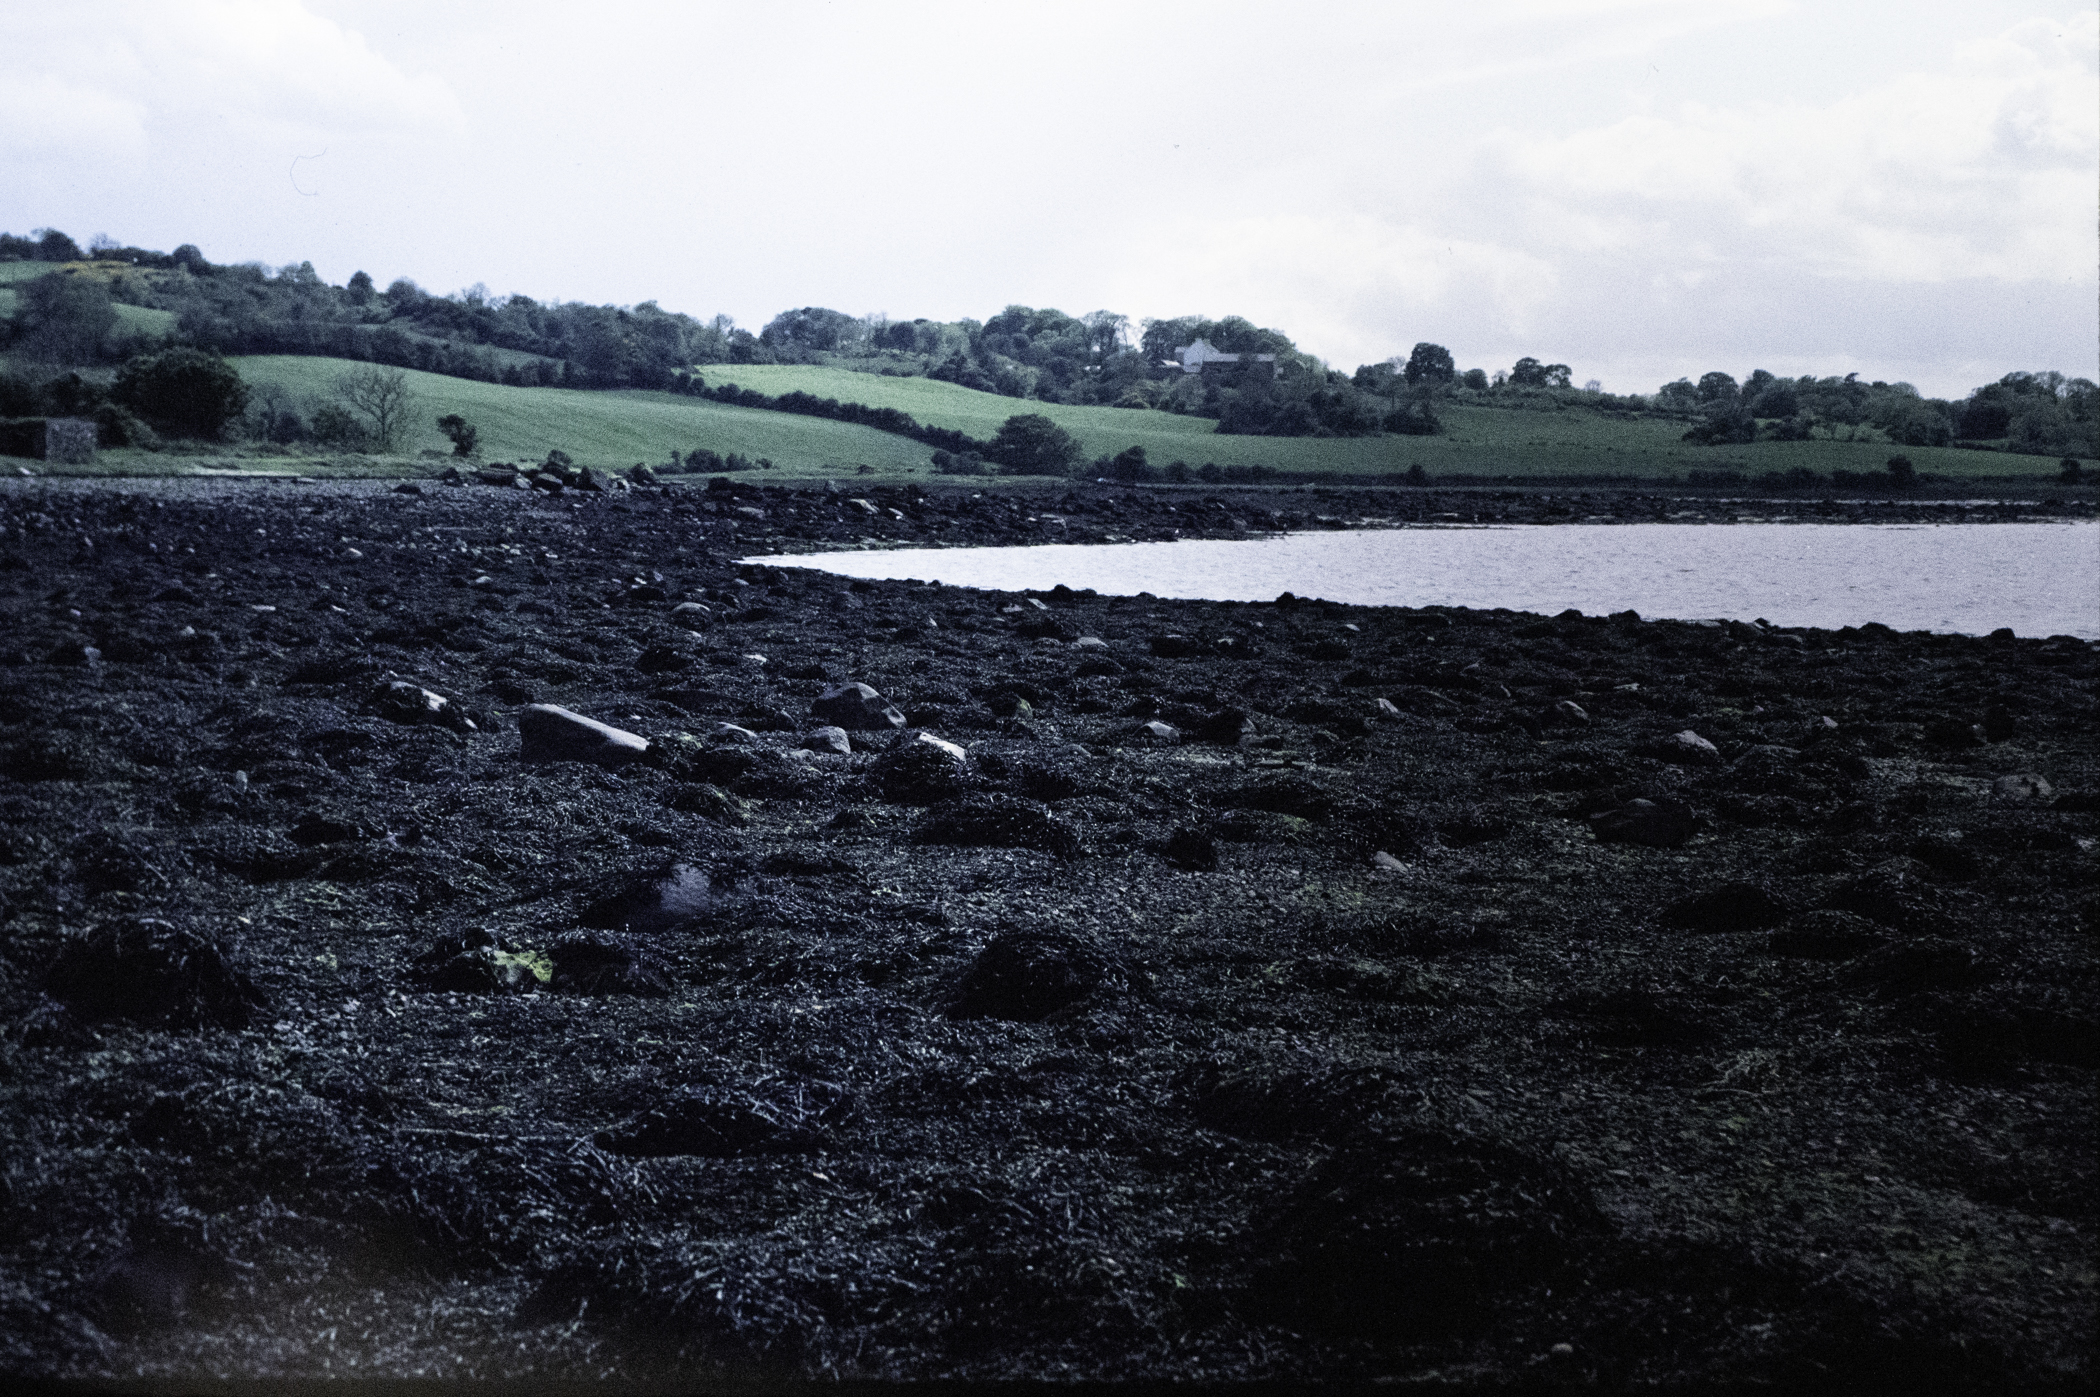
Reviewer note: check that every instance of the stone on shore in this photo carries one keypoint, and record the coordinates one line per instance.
(856, 708)
(550, 733)
(1659, 824)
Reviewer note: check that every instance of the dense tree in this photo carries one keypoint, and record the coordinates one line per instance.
(1530, 373)
(63, 319)
(359, 291)
(189, 391)
(809, 329)
(1431, 365)
(1717, 387)
(1031, 444)
(54, 246)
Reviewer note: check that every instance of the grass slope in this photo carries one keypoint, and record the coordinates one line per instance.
(1477, 441)
(607, 429)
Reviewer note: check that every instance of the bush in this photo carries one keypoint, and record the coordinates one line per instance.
(188, 391)
(117, 425)
(463, 433)
(1902, 473)
(958, 463)
(1031, 444)
(2072, 472)
(334, 425)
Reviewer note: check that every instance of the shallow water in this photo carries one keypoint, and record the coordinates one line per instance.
(2038, 578)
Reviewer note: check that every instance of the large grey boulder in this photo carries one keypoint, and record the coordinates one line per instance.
(553, 734)
(856, 708)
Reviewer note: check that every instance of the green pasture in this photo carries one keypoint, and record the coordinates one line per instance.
(1476, 441)
(613, 429)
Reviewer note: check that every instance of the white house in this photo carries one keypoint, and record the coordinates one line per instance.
(1193, 357)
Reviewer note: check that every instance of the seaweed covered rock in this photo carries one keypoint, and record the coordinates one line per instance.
(1661, 823)
(991, 820)
(1028, 976)
(1422, 1232)
(549, 733)
(1736, 906)
(606, 962)
(780, 1115)
(152, 972)
(475, 962)
(856, 708)
(655, 899)
(921, 769)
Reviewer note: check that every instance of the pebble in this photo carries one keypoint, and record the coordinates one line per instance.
(550, 733)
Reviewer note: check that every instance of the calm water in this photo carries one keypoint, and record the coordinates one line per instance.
(2038, 578)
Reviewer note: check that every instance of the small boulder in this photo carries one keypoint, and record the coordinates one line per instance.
(1735, 906)
(920, 769)
(1028, 976)
(1158, 733)
(2022, 788)
(606, 962)
(828, 739)
(1190, 850)
(152, 972)
(474, 962)
(399, 701)
(1662, 823)
(1685, 748)
(549, 733)
(856, 708)
(991, 820)
(655, 900)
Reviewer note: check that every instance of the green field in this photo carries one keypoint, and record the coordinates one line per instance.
(1476, 441)
(614, 429)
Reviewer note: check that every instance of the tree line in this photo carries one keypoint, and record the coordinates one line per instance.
(68, 317)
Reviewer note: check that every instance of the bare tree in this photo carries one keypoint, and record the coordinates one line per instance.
(380, 396)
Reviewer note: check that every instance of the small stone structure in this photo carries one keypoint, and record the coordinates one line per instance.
(65, 440)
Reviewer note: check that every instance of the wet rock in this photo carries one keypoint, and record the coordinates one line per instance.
(1825, 934)
(1028, 976)
(474, 961)
(1685, 748)
(1156, 733)
(151, 972)
(920, 769)
(1191, 851)
(991, 820)
(662, 659)
(399, 701)
(775, 1117)
(1226, 728)
(658, 899)
(605, 962)
(1896, 892)
(549, 733)
(828, 739)
(1926, 964)
(856, 708)
(1737, 906)
(1661, 823)
(1281, 795)
(2022, 788)
(1420, 1233)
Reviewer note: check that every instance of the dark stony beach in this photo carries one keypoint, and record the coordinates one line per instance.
(1109, 988)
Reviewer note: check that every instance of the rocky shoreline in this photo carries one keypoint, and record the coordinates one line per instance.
(1105, 988)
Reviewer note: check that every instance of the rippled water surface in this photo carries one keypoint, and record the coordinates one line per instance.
(2038, 578)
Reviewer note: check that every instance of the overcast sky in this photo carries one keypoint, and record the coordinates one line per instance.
(1638, 188)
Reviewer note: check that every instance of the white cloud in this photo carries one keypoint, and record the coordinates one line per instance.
(1984, 170)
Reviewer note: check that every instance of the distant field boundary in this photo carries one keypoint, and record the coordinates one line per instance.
(883, 419)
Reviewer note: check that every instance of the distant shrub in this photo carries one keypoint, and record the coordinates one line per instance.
(1797, 478)
(958, 463)
(2072, 472)
(335, 425)
(1902, 474)
(1416, 476)
(117, 425)
(701, 458)
(182, 390)
(463, 433)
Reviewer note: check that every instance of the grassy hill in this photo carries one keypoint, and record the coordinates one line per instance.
(1476, 441)
(607, 429)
